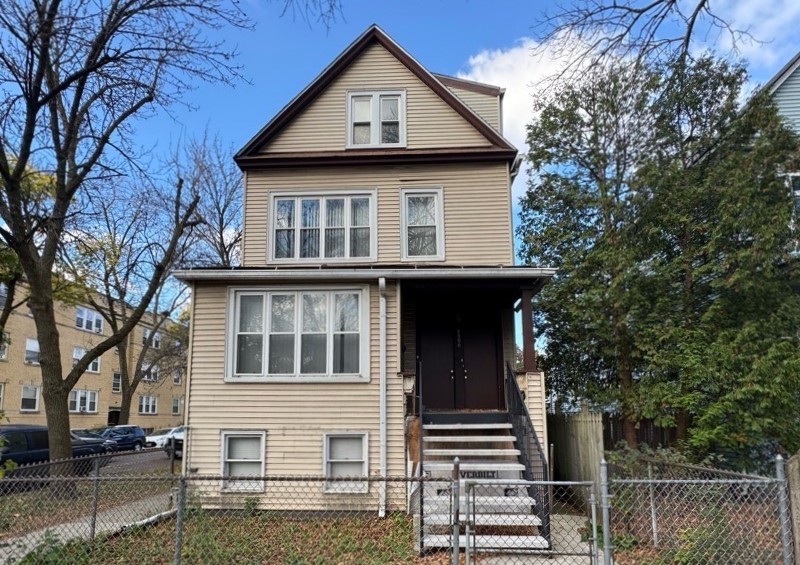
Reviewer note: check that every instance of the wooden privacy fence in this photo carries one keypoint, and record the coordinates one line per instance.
(577, 446)
(647, 433)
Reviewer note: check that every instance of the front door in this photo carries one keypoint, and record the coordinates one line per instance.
(459, 352)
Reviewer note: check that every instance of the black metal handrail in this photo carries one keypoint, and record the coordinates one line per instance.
(531, 451)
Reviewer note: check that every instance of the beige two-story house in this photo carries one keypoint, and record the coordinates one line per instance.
(377, 287)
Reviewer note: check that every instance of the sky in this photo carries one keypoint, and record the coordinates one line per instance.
(488, 41)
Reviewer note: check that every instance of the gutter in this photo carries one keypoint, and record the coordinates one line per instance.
(356, 274)
(382, 402)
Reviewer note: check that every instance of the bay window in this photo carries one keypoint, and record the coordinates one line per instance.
(290, 333)
(336, 227)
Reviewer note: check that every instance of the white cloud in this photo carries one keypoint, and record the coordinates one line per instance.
(521, 73)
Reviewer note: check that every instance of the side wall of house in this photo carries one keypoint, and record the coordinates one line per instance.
(485, 105)
(787, 98)
(476, 207)
(295, 416)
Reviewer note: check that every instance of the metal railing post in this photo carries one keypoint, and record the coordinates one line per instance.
(172, 455)
(783, 512)
(95, 495)
(652, 489)
(179, 515)
(605, 508)
(469, 490)
(593, 511)
(456, 503)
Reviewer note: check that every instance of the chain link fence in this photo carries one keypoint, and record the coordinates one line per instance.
(129, 507)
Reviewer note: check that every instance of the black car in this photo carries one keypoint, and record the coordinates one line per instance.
(26, 444)
(127, 436)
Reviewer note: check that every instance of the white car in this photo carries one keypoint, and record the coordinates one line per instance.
(160, 438)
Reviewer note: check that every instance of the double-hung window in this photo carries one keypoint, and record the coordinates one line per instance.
(83, 401)
(77, 355)
(422, 224)
(88, 319)
(376, 119)
(149, 372)
(337, 227)
(156, 343)
(316, 333)
(116, 381)
(148, 404)
(176, 405)
(4, 339)
(243, 456)
(345, 455)
(29, 401)
(32, 351)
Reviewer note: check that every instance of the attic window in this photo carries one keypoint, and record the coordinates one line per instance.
(376, 119)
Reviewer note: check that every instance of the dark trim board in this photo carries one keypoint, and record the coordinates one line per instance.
(482, 417)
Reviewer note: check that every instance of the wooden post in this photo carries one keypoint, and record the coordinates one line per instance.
(528, 341)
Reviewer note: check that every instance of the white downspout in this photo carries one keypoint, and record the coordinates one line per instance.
(382, 355)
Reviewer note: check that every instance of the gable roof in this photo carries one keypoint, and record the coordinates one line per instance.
(780, 77)
(374, 34)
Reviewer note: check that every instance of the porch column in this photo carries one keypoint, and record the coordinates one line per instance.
(528, 344)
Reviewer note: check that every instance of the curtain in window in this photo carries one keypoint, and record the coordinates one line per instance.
(244, 456)
(250, 338)
(309, 232)
(334, 232)
(281, 339)
(362, 118)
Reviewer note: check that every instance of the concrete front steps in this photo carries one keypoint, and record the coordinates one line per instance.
(503, 517)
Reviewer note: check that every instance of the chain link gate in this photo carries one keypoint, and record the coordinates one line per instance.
(505, 521)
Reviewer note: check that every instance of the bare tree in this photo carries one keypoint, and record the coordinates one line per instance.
(218, 181)
(597, 31)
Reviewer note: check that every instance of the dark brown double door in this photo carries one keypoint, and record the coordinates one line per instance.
(460, 352)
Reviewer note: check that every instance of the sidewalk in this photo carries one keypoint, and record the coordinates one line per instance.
(108, 521)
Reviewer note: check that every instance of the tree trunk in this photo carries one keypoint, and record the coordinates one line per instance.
(56, 398)
(125, 405)
(682, 424)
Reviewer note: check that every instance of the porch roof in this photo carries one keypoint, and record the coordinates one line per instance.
(341, 273)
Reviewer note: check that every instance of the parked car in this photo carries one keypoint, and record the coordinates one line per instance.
(110, 444)
(177, 439)
(127, 436)
(25, 444)
(159, 438)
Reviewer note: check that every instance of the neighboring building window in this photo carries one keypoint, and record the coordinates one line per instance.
(3, 294)
(4, 339)
(243, 456)
(156, 339)
(32, 351)
(423, 224)
(345, 456)
(336, 228)
(83, 401)
(77, 355)
(2, 394)
(176, 376)
(148, 404)
(149, 372)
(376, 119)
(116, 382)
(176, 405)
(317, 333)
(88, 319)
(30, 399)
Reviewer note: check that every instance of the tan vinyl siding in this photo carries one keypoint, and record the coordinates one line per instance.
(485, 105)
(294, 415)
(476, 206)
(431, 122)
(537, 406)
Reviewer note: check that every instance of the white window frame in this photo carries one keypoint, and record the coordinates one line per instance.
(297, 377)
(4, 342)
(177, 376)
(375, 122)
(77, 355)
(241, 486)
(76, 395)
(3, 394)
(438, 194)
(28, 343)
(341, 487)
(176, 406)
(38, 390)
(348, 195)
(116, 379)
(156, 338)
(149, 407)
(88, 320)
